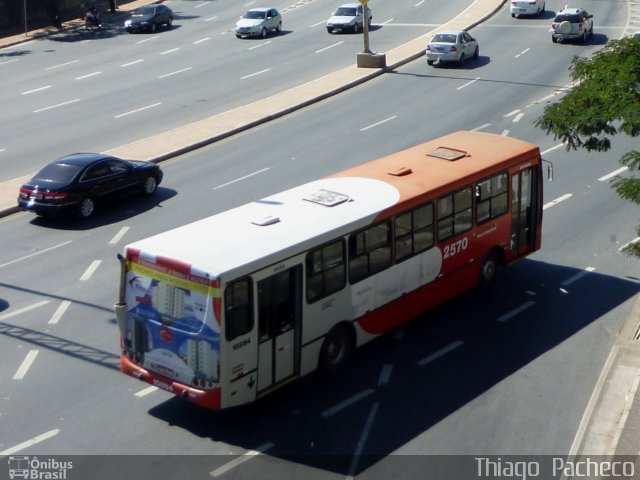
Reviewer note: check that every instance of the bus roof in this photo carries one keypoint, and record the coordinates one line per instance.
(260, 233)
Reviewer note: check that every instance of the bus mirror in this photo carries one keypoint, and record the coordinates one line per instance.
(549, 169)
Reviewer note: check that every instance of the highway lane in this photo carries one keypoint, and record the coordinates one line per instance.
(517, 381)
(96, 91)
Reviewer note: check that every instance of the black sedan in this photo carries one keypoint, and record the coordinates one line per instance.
(74, 183)
(149, 18)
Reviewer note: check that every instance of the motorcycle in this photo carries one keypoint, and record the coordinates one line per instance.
(92, 19)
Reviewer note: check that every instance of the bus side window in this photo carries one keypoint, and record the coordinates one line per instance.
(325, 270)
(454, 213)
(492, 198)
(414, 231)
(238, 311)
(369, 251)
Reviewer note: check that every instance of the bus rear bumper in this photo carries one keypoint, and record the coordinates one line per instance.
(205, 398)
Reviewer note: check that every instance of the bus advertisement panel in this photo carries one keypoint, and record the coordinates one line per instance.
(171, 324)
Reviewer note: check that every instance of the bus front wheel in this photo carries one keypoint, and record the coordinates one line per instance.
(336, 349)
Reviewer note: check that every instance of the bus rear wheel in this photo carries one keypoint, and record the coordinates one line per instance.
(336, 349)
(488, 270)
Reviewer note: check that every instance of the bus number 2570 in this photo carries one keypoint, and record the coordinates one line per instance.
(456, 247)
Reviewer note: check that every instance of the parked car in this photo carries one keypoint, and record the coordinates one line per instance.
(571, 24)
(348, 17)
(149, 18)
(527, 7)
(452, 46)
(76, 182)
(258, 22)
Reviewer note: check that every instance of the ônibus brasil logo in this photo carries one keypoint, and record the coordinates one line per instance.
(36, 469)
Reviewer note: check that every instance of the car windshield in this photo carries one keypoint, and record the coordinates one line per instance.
(346, 12)
(255, 15)
(444, 38)
(572, 18)
(146, 10)
(58, 172)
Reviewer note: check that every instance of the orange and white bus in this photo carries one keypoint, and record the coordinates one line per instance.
(226, 309)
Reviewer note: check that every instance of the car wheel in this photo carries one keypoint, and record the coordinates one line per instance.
(461, 59)
(429, 62)
(150, 185)
(279, 27)
(154, 27)
(329, 30)
(585, 36)
(263, 34)
(336, 349)
(169, 24)
(86, 207)
(356, 28)
(554, 39)
(513, 15)
(476, 53)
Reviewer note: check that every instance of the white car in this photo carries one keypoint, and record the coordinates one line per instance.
(258, 22)
(348, 17)
(527, 7)
(452, 46)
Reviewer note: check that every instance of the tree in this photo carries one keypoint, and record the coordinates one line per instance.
(605, 101)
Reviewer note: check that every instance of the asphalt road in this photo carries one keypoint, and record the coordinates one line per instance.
(505, 373)
(95, 91)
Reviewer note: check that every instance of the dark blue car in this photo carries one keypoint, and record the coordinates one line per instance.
(76, 182)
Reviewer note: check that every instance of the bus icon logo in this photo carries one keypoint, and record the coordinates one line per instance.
(18, 467)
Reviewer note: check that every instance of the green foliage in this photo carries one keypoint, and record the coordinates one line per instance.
(605, 101)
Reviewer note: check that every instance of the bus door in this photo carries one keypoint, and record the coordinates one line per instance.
(524, 210)
(279, 299)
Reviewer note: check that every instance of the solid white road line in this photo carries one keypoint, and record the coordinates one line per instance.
(260, 45)
(362, 441)
(24, 309)
(379, 123)
(254, 74)
(175, 73)
(385, 375)
(36, 90)
(148, 39)
(330, 46)
(138, 110)
(240, 460)
(170, 51)
(577, 276)
(28, 443)
(552, 149)
(62, 65)
(443, 351)
(57, 315)
(516, 311)
(348, 402)
(468, 83)
(56, 105)
(82, 77)
(25, 365)
(613, 174)
(201, 40)
(557, 200)
(146, 391)
(36, 253)
(522, 52)
(132, 63)
(118, 236)
(241, 178)
(90, 270)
